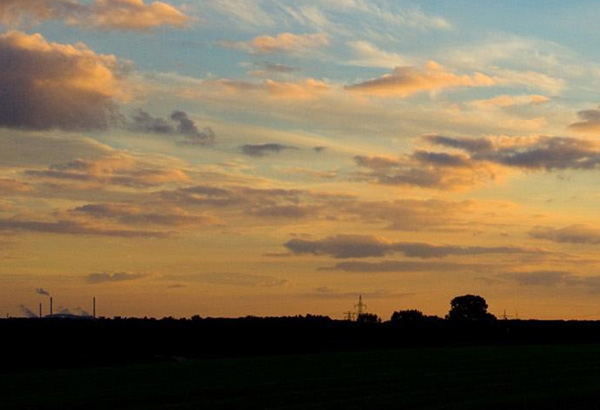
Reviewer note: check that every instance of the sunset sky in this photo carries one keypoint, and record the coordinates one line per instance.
(262, 157)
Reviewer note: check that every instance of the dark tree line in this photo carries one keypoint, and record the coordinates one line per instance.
(463, 309)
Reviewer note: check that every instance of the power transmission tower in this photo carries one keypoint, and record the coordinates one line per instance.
(350, 315)
(360, 307)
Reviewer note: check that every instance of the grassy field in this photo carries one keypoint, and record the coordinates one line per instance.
(514, 377)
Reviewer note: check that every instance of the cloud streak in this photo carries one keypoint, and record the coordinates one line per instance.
(284, 43)
(478, 160)
(261, 150)
(551, 278)
(73, 227)
(406, 81)
(122, 15)
(364, 246)
(104, 277)
(118, 169)
(575, 234)
(138, 215)
(397, 267)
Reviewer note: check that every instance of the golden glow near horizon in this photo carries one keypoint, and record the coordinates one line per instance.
(261, 157)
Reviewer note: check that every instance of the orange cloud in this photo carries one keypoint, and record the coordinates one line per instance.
(406, 81)
(123, 170)
(12, 185)
(135, 15)
(512, 100)
(124, 15)
(49, 85)
(590, 123)
(424, 169)
(305, 89)
(282, 43)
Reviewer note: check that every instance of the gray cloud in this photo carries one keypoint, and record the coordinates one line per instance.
(480, 160)
(136, 215)
(41, 291)
(466, 144)
(398, 266)
(73, 227)
(539, 278)
(285, 211)
(542, 152)
(105, 277)
(362, 246)
(144, 122)
(552, 278)
(424, 169)
(47, 85)
(282, 203)
(590, 121)
(112, 170)
(261, 150)
(581, 234)
(179, 124)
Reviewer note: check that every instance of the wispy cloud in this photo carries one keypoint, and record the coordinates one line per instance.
(123, 15)
(286, 43)
(399, 267)
(577, 234)
(367, 54)
(261, 150)
(406, 81)
(364, 246)
(105, 277)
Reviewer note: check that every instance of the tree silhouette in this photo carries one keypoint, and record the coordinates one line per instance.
(368, 318)
(469, 308)
(407, 316)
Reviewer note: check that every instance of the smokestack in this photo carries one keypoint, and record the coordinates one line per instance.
(40, 310)
(51, 306)
(94, 307)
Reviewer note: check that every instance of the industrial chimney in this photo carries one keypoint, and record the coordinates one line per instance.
(40, 310)
(50, 305)
(94, 307)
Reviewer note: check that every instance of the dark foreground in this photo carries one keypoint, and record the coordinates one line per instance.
(484, 377)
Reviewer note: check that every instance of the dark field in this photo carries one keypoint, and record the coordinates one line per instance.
(493, 377)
